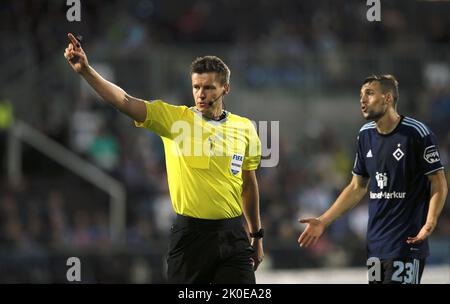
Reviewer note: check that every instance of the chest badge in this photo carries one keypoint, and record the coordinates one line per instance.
(398, 154)
(236, 163)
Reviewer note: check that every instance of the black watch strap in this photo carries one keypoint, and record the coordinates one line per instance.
(258, 235)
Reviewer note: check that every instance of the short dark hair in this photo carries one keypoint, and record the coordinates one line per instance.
(387, 83)
(211, 64)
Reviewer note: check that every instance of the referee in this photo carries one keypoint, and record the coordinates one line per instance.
(211, 158)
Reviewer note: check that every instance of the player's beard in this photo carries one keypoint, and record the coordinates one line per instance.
(374, 114)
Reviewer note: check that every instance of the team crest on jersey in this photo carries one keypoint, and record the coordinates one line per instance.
(398, 154)
(431, 154)
(236, 163)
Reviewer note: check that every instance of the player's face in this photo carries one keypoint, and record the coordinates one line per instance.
(206, 88)
(373, 101)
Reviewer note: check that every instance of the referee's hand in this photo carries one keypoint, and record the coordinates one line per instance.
(312, 233)
(75, 55)
(258, 254)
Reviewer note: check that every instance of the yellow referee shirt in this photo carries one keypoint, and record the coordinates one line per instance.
(204, 158)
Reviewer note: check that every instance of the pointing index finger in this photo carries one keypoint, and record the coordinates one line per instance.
(73, 40)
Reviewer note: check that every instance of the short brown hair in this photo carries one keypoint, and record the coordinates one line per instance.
(211, 64)
(387, 83)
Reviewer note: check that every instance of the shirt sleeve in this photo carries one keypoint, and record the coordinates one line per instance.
(253, 150)
(429, 156)
(160, 117)
(359, 167)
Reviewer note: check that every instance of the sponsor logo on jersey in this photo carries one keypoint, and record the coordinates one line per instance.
(431, 154)
(382, 182)
(387, 195)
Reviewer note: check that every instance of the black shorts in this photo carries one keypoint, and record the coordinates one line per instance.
(396, 271)
(209, 251)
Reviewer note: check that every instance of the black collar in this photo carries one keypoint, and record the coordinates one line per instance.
(222, 116)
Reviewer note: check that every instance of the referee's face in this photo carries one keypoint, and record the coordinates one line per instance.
(208, 93)
(373, 101)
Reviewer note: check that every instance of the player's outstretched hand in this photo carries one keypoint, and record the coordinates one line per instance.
(75, 55)
(426, 230)
(312, 233)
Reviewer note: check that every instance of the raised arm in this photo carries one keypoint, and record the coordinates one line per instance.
(109, 92)
(349, 197)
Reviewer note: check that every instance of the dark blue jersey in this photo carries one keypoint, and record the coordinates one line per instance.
(398, 164)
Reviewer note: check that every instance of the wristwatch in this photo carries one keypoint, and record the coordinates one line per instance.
(258, 235)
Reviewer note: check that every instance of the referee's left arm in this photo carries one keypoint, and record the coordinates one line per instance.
(250, 198)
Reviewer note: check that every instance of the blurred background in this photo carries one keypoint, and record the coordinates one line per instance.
(78, 179)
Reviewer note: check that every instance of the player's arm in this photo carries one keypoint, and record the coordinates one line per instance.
(250, 198)
(349, 197)
(439, 192)
(109, 92)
